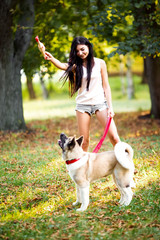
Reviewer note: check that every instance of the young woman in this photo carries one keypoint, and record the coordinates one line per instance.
(88, 76)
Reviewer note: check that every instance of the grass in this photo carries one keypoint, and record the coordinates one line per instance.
(36, 191)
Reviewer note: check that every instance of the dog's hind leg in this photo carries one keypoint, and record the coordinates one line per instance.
(127, 196)
(78, 196)
(123, 182)
(122, 196)
(120, 189)
(84, 193)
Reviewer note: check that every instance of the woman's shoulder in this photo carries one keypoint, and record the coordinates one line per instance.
(99, 60)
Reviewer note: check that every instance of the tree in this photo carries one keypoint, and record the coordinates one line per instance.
(135, 26)
(16, 22)
(16, 26)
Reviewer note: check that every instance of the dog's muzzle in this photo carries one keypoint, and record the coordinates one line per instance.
(62, 140)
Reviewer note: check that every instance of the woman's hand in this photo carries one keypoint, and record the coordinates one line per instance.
(48, 56)
(56, 62)
(110, 112)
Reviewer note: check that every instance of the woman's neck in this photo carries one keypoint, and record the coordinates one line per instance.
(85, 62)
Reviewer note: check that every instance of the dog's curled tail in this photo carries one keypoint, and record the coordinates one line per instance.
(124, 155)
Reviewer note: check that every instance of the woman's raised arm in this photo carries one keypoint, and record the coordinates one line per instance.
(56, 62)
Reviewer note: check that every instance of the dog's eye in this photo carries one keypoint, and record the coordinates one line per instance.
(71, 144)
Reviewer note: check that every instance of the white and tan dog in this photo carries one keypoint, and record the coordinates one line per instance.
(86, 167)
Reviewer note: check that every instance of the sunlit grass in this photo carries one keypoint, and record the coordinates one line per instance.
(46, 109)
(102, 191)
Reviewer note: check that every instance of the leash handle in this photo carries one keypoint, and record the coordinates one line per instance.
(104, 135)
(40, 46)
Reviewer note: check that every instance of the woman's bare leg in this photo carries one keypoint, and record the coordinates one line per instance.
(83, 120)
(102, 117)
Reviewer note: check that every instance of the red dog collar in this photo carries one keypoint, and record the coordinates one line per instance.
(72, 161)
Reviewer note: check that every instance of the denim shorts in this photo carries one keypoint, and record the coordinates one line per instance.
(91, 109)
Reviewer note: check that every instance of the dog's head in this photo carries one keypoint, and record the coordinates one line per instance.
(71, 147)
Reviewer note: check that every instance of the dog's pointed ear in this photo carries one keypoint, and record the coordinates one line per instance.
(80, 140)
(72, 143)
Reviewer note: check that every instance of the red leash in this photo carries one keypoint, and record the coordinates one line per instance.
(104, 135)
(98, 145)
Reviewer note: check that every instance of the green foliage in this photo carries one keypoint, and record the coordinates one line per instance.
(133, 25)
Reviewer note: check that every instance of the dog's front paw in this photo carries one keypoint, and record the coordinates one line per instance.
(125, 201)
(82, 208)
(121, 201)
(75, 203)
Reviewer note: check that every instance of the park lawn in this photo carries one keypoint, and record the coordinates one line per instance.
(36, 191)
(65, 107)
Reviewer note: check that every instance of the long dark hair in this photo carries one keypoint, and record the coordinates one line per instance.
(75, 69)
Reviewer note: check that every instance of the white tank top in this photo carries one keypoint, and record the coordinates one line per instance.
(95, 95)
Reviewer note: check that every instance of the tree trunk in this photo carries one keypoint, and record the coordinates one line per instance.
(44, 89)
(12, 49)
(130, 87)
(153, 76)
(144, 76)
(30, 88)
(121, 65)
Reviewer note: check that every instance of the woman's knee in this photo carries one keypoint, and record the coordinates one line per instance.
(113, 134)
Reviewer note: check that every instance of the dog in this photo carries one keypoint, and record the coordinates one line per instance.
(85, 167)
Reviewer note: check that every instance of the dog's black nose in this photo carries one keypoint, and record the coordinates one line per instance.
(63, 137)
